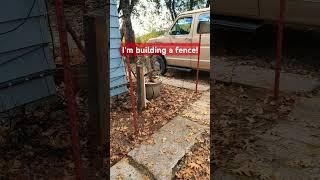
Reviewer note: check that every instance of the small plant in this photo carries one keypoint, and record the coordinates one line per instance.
(152, 71)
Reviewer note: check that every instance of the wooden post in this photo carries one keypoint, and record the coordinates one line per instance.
(96, 36)
(75, 37)
(138, 67)
(132, 97)
(141, 88)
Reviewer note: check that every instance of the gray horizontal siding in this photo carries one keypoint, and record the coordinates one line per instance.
(33, 32)
(15, 10)
(26, 92)
(26, 63)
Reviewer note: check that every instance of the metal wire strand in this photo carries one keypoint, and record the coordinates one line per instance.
(23, 22)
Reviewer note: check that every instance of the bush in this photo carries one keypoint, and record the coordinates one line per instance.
(152, 34)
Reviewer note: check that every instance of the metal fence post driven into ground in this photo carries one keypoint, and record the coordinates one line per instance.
(282, 10)
(69, 92)
(198, 63)
(132, 97)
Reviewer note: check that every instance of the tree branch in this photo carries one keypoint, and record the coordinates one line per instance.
(133, 3)
(120, 6)
(174, 8)
(191, 5)
(75, 37)
(208, 3)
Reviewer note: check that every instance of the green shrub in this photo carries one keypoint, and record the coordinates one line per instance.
(146, 37)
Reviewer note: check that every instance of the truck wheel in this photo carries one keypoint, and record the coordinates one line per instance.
(160, 65)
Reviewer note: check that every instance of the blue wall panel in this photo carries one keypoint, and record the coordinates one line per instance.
(118, 80)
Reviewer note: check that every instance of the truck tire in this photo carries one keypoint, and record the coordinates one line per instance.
(159, 61)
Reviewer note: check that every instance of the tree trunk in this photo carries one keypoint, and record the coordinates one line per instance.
(174, 9)
(127, 29)
(208, 3)
(75, 37)
(170, 4)
(191, 5)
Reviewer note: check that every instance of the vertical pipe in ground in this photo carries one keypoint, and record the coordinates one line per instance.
(68, 91)
(280, 25)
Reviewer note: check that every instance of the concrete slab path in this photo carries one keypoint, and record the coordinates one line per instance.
(228, 71)
(123, 170)
(184, 84)
(200, 110)
(170, 145)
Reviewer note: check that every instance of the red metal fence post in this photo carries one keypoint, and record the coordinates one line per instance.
(282, 9)
(132, 96)
(69, 93)
(198, 63)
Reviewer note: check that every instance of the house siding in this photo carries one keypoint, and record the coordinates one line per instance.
(118, 80)
(26, 63)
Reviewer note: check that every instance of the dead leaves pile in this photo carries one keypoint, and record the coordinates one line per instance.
(240, 115)
(36, 143)
(197, 164)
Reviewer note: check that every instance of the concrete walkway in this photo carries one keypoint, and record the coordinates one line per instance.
(124, 170)
(170, 145)
(199, 111)
(184, 84)
(227, 71)
(290, 150)
(158, 158)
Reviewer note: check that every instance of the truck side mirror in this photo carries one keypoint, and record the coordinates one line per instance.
(204, 27)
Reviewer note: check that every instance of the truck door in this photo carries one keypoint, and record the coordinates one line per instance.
(205, 41)
(181, 32)
(239, 8)
(297, 11)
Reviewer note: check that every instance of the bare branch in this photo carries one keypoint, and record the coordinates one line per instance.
(75, 37)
